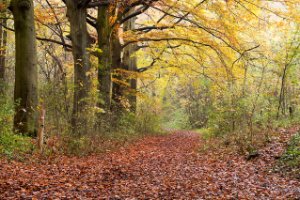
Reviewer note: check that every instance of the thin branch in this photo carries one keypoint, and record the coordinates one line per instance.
(242, 54)
(69, 47)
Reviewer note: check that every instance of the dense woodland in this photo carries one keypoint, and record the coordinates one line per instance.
(149, 99)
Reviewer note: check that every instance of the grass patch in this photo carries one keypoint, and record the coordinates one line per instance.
(205, 133)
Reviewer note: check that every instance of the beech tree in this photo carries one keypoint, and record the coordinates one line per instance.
(26, 73)
(115, 61)
(166, 30)
(130, 63)
(115, 55)
(77, 14)
(104, 69)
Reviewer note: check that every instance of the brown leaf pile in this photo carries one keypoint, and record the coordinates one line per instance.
(166, 167)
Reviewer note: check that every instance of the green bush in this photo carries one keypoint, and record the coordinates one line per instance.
(289, 163)
(227, 118)
(126, 123)
(15, 146)
(11, 145)
(140, 123)
(176, 119)
(148, 119)
(78, 146)
(292, 155)
(6, 115)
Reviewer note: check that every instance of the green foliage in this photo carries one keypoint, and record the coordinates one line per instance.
(126, 123)
(177, 120)
(148, 119)
(228, 115)
(77, 146)
(143, 122)
(56, 99)
(289, 163)
(6, 115)
(11, 145)
(287, 121)
(206, 133)
(291, 157)
(15, 146)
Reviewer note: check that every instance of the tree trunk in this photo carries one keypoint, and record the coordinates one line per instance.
(3, 43)
(117, 86)
(116, 65)
(26, 73)
(104, 70)
(41, 133)
(130, 64)
(281, 101)
(82, 66)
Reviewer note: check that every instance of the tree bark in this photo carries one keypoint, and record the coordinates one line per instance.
(117, 86)
(82, 66)
(130, 64)
(116, 65)
(3, 43)
(104, 70)
(281, 100)
(26, 73)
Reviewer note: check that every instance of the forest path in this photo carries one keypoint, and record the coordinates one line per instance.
(161, 167)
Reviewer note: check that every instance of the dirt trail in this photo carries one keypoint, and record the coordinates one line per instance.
(163, 167)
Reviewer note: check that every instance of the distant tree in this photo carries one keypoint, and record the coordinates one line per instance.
(3, 43)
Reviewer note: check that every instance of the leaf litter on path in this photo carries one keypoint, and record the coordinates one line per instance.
(161, 167)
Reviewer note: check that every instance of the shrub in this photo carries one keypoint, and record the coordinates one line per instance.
(6, 115)
(15, 146)
(289, 162)
(292, 155)
(11, 145)
(148, 119)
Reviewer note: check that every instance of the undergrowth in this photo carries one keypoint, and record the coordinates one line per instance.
(129, 127)
(12, 146)
(240, 141)
(15, 146)
(289, 162)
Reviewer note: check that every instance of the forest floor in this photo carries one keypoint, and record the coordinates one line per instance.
(157, 167)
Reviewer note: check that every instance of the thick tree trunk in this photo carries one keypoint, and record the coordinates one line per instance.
(130, 64)
(82, 66)
(118, 87)
(104, 70)
(123, 62)
(26, 73)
